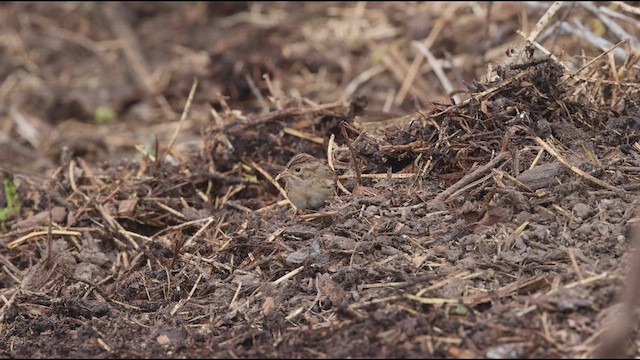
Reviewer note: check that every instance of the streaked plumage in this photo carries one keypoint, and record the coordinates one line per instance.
(310, 182)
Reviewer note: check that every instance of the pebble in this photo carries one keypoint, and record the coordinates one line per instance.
(581, 210)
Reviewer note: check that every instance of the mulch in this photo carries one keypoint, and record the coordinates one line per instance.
(495, 226)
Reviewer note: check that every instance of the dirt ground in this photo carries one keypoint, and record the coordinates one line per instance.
(488, 187)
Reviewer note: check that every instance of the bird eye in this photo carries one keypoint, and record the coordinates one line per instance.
(297, 169)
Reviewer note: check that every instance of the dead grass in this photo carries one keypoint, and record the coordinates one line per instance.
(484, 220)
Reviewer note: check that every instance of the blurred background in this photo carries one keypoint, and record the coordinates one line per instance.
(102, 78)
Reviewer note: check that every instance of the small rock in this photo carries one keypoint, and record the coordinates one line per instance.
(87, 271)
(607, 203)
(370, 211)
(301, 255)
(602, 229)
(301, 231)
(584, 231)
(541, 176)
(93, 256)
(58, 214)
(453, 254)
(581, 210)
(519, 243)
(351, 223)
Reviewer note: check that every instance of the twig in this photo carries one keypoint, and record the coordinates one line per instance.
(576, 170)
(301, 135)
(271, 180)
(116, 227)
(64, 34)
(235, 295)
(355, 306)
(380, 176)
(354, 158)
(116, 18)
(362, 78)
(275, 93)
(289, 275)
(135, 58)
(593, 60)
(399, 68)
(187, 106)
(616, 29)
(181, 226)
(583, 32)
(169, 209)
(184, 301)
(72, 180)
(628, 8)
(414, 68)
(49, 258)
(19, 241)
(68, 274)
(330, 162)
(477, 173)
(437, 68)
(431, 301)
(256, 93)
(545, 51)
(574, 263)
(620, 16)
(279, 114)
(203, 228)
(533, 35)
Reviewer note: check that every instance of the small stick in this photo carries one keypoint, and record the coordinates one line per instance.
(330, 162)
(187, 106)
(256, 93)
(184, 301)
(576, 170)
(616, 29)
(574, 263)
(271, 180)
(181, 226)
(419, 58)
(544, 50)
(19, 241)
(314, 216)
(362, 78)
(437, 68)
(594, 60)
(235, 295)
(301, 135)
(289, 275)
(533, 35)
(279, 114)
(98, 289)
(116, 16)
(203, 228)
(356, 166)
(48, 258)
(275, 94)
(628, 8)
(469, 178)
(380, 176)
(72, 180)
(116, 227)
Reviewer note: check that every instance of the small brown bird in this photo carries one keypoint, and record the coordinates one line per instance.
(310, 182)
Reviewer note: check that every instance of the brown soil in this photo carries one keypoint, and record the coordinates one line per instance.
(496, 227)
